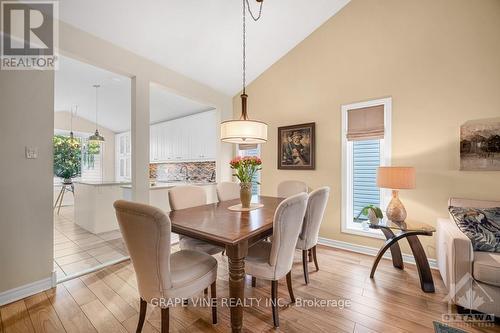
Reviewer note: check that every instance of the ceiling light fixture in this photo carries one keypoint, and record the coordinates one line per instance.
(96, 137)
(244, 130)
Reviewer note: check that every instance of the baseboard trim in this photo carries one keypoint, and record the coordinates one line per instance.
(27, 290)
(371, 251)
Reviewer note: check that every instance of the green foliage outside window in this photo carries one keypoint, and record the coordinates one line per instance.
(71, 154)
(67, 157)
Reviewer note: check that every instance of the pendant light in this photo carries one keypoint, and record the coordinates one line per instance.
(244, 130)
(73, 113)
(96, 137)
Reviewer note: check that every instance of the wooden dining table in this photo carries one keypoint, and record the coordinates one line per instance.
(234, 230)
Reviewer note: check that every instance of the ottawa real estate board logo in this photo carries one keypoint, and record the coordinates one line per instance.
(29, 35)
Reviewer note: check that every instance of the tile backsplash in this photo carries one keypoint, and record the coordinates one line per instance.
(196, 171)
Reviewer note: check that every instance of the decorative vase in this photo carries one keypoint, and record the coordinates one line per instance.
(372, 217)
(245, 194)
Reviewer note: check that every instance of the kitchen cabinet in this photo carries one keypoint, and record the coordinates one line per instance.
(123, 152)
(189, 139)
(192, 138)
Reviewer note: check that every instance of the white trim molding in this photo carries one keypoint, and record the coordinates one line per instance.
(27, 290)
(385, 152)
(371, 251)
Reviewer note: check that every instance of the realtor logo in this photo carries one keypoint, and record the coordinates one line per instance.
(29, 35)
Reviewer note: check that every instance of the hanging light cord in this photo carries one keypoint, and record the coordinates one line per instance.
(96, 105)
(255, 18)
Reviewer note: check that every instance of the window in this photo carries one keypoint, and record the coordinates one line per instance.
(91, 168)
(366, 145)
(254, 151)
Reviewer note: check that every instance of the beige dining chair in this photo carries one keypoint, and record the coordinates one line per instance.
(182, 197)
(288, 188)
(162, 276)
(273, 261)
(308, 238)
(228, 191)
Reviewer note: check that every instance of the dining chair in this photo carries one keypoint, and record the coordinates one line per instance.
(273, 260)
(288, 188)
(308, 238)
(162, 276)
(228, 191)
(188, 196)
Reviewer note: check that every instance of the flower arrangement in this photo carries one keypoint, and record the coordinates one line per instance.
(246, 168)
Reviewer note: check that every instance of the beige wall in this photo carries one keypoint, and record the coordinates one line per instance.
(62, 120)
(440, 62)
(26, 185)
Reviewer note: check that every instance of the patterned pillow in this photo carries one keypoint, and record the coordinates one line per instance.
(481, 225)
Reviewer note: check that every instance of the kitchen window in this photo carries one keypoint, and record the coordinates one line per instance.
(91, 157)
(366, 145)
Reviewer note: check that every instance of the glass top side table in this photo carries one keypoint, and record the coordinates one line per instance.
(410, 231)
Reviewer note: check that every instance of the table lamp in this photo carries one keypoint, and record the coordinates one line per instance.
(396, 178)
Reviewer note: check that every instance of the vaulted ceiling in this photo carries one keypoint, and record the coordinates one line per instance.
(202, 38)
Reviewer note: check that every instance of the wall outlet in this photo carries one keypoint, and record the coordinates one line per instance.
(31, 152)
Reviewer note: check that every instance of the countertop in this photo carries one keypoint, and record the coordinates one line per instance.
(166, 185)
(102, 183)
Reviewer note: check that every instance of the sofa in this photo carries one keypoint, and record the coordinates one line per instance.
(471, 277)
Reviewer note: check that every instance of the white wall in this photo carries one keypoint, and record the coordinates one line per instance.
(26, 185)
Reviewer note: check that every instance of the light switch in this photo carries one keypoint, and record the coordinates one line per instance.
(31, 152)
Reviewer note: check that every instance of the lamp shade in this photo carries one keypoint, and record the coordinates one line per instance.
(243, 131)
(396, 177)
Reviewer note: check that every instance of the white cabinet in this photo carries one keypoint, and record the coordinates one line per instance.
(192, 138)
(123, 152)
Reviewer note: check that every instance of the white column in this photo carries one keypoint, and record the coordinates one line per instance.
(140, 139)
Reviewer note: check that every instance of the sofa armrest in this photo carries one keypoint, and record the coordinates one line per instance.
(454, 254)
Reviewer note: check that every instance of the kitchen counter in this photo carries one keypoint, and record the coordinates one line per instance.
(102, 183)
(167, 185)
(159, 197)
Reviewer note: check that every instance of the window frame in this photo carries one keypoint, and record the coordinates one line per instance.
(259, 152)
(347, 224)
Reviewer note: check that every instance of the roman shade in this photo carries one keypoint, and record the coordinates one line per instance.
(243, 146)
(365, 123)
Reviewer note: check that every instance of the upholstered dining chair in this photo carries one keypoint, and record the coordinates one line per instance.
(228, 191)
(273, 261)
(188, 196)
(288, 188)
(308, 238)
(162, 275)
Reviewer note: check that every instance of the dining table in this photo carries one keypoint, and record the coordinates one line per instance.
(236, 231)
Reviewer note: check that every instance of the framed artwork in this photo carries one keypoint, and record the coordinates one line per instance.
(296, 147)
(480, 145)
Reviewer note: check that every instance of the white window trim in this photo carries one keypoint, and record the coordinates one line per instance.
(347, 168)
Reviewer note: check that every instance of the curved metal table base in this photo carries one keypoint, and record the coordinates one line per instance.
(424, 271)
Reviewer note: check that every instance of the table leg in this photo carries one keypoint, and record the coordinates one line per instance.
(424, 271)
(236, 259)
(397, 258)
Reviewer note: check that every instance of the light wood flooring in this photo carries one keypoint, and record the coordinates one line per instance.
(107, 301)
(77, 250)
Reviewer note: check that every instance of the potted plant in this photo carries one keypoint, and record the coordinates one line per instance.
(373, 213)
(245, 170)
(67, 157)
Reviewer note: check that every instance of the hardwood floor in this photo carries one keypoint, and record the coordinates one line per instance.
(108, 301)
